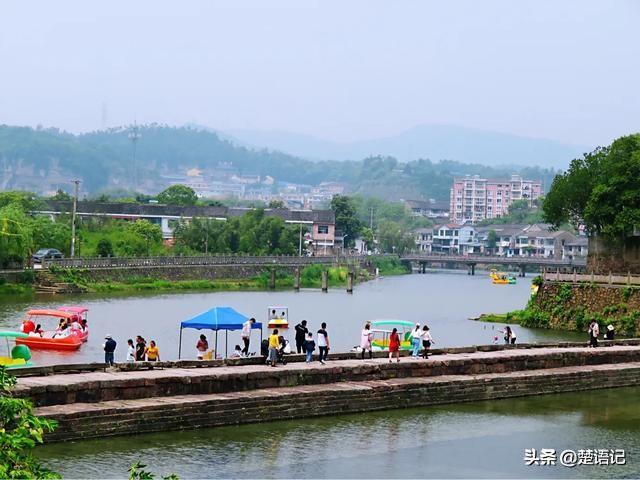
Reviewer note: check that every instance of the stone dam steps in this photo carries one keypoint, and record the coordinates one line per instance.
(118, 417)
(98, 404)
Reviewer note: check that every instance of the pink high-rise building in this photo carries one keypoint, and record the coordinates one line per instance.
(474, 199)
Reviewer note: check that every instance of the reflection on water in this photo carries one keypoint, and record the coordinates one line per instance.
(483, 439)
(444, 300)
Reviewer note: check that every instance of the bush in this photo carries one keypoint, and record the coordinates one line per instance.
(104, 248)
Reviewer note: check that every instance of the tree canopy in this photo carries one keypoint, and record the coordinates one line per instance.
(178, 195)
(600, 190)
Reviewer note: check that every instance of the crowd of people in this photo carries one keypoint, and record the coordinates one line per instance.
(136, 352)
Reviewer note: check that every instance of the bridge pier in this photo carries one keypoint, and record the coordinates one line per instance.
(522, 272)
(272, 279)
(471, 269)
(350, 276)
(325, 281)
(296, 279)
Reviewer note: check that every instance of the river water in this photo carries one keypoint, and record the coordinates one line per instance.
(443, 300)
(474, 440)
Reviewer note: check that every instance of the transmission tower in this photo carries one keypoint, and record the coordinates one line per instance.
(134, 136)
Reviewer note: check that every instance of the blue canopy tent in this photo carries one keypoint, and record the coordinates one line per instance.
(218, 318)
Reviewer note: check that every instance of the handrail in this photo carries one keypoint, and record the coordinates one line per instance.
(124, 262)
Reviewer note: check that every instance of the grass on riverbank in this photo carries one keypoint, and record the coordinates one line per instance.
(15, 289)
(390, 265)
(153, 284)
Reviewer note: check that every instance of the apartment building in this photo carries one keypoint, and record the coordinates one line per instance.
(474, 199)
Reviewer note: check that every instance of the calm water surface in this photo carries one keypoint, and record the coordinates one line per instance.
(443, 300)
(477, 440)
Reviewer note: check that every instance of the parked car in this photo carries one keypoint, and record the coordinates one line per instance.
(46, 254)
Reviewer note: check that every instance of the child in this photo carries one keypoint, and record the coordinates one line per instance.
(237, 353)
(310, 346)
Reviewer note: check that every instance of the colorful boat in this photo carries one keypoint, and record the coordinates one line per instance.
(19, 355)
(68, 339)
(278, 317)
(499, 278)
(381, 330)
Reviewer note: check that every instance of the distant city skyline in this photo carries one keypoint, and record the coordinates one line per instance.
(338, 71)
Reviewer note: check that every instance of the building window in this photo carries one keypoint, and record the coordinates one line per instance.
(323, 229)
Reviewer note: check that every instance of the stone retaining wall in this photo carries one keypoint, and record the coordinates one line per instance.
(103, 387)
(80, 421)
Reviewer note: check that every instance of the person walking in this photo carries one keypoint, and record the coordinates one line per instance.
(594, 331)
(309, 346)
(201, 347)
(365, 340)
(109, 349)
(131, 351)
(323, 343)
(141, 347)
(153, 352)
(426, 341)
(274, 345)
(246, 335)
(394, 345)
(416, 339)
(301, 334)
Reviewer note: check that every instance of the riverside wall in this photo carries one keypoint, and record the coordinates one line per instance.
(572, 306)
(97, 404)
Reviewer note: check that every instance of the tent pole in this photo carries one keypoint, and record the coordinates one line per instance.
(226, 346)
(215, 352)
(180, 344)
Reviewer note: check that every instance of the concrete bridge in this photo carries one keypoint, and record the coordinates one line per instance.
(422, 260)
(167, 266)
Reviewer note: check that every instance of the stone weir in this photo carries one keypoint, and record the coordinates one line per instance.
(99, 404)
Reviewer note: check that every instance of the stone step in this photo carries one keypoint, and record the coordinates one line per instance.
(179, 412)
(93, 387)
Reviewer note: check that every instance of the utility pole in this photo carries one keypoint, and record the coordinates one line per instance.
(300, 242)
(371, 223)
(73, 217)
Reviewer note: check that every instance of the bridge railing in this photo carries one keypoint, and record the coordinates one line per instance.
(498, 259)
(610, 279)
(127, 262)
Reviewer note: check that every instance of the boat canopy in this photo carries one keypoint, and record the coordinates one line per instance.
(51, 313)
(6, 333)
(218, 318)
(392, 323)
(78, 309)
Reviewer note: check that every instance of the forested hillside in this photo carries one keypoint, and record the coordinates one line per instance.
(32, 158)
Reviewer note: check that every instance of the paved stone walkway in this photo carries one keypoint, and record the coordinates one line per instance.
(114, 376)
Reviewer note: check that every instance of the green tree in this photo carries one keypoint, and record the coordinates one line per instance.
(492, 239)
(393, 238)
(20, 432)
(16, 235)
(276, 204)
(178, 195)
(104, 248)
(61, 195)
(346, 218)
(50, 234)
(147, 232)
(599, 190)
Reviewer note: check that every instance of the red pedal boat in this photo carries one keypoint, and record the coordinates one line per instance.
(69, 338)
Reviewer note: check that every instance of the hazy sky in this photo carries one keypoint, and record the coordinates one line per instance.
(340, 70)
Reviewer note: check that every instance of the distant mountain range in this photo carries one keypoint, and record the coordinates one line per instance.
(43, 160)
(435, 142)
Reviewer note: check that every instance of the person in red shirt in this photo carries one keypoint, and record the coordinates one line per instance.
(394, 345)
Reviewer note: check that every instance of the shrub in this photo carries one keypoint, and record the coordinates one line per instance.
(104, 248)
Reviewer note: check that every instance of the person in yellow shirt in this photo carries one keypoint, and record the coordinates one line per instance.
(274, 345)
(153, 352)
